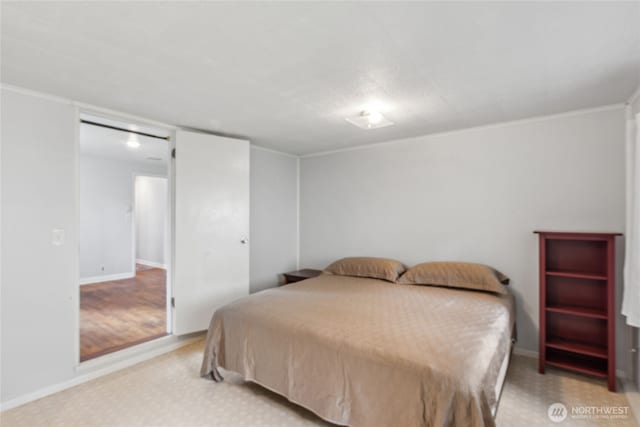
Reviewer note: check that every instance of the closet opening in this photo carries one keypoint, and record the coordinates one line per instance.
(124, 235)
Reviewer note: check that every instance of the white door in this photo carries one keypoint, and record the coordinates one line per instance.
(211, 266)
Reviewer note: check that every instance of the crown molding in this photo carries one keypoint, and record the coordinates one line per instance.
(272, 151)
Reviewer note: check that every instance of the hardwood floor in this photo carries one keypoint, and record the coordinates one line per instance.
(122, 313)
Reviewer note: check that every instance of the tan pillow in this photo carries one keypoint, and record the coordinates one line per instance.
(456, 275)
(376, 268)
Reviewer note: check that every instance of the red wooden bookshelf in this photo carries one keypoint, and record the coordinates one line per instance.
(577, 303)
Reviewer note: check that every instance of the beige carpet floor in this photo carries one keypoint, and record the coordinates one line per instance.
(167, 391)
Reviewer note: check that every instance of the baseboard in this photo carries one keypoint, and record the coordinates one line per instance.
(171, 345)
(151, 263)
(106, 278)
(519, 351)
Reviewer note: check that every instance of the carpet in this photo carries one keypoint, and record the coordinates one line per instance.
(167, 391)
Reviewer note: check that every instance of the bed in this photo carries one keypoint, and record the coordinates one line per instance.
(366, 352)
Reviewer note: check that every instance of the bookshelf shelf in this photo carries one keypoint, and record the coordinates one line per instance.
(577, 347)
(576, 275)
(578, 311)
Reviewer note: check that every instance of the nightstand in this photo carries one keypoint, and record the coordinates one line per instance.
(298, 275)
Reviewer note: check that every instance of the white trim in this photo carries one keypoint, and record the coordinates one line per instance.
(456, 131)
(101, 111)
(170, 257)
(106, 278)
(298, 213)
(35, 93)
(134, 223)
(89, 108)
(102, 371)
(75, 286)
(170, 229)
(115, 357)
(271, 150)
(151, 263)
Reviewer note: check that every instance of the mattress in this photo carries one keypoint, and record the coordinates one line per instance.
(365, 352)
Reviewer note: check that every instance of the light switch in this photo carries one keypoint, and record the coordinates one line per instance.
(57, 237)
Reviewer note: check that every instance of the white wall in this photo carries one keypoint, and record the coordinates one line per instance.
(151, 219)
(39, 288)
(474, 195)
(274, 214)
(106, 215)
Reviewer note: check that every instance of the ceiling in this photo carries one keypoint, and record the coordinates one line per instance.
(285, 75)
(103, 142)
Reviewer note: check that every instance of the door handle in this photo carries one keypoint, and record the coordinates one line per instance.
(244, 241)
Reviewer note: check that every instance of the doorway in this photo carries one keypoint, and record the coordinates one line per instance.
(125, 229)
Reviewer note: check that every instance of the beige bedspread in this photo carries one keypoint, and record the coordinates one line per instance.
(367, 353)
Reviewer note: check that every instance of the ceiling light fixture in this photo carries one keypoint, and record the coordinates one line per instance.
(374, 117)
(369, 119)
(133, 142)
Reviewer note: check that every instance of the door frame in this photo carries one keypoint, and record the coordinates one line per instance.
(134, 120)
(168, 241)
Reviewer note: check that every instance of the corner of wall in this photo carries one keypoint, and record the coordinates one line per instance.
(298, 213)
(633, 103)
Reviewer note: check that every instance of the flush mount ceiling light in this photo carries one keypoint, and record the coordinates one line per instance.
(133, 142)
(370, 119)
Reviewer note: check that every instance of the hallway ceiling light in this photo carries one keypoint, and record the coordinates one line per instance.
(369, 119)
